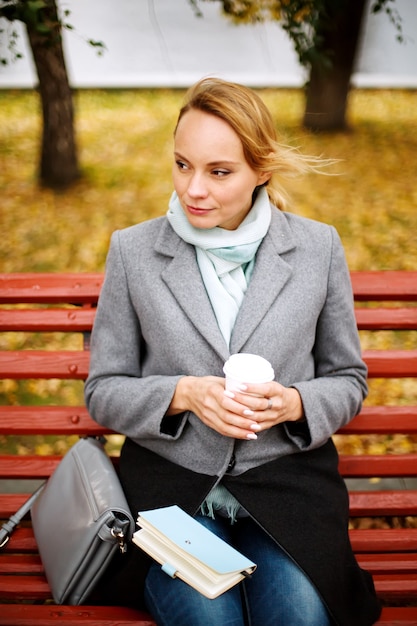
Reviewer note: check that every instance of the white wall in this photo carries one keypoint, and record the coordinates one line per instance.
(162, 43)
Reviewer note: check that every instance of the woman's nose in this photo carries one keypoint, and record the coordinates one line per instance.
(197, 187)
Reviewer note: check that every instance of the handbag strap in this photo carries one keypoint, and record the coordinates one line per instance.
(9, 526)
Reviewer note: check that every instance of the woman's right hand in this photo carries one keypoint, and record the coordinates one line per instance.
(205, 397)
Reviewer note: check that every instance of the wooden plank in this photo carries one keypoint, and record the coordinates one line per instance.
(371, 503)
(62, 364)
(398, 616)
(389, 563)
(391, 363)
(47, 320)
(383, 420)
(31, 466)
(77, 288)
(85, 287)
(384, 285)
(10, 503)
(22, 541)
(20, 564)
(66, 319)
(67, 420)
(27, 467)
(378, 465)
(33, 587)
(48, 420)
(73, 364)
(52, 615)
(384, 540)
(396, 586)
(386, 319)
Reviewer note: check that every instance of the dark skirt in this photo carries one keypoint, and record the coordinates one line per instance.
(300, 500)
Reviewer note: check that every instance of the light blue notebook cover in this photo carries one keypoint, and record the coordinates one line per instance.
(195, 539)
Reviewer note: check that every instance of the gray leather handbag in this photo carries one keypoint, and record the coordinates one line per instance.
(80, 519)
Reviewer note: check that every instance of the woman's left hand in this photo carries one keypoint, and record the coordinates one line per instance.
(267, 404)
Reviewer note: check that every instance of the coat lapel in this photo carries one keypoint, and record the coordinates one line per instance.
(269, 277)
(183, 278)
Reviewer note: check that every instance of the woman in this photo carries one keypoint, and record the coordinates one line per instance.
(226, 272)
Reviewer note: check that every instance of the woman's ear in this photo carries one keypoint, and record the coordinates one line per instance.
(263, 178)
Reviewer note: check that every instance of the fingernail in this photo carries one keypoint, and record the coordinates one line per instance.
(229, 394)
(247, 412)
(241, 387)
(251, 436)
(255, 426)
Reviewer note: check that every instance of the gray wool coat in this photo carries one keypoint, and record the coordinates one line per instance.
(155, 324)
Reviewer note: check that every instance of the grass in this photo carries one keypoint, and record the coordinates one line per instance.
(125, 146)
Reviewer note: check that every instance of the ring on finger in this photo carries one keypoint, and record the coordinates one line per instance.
(269, 407)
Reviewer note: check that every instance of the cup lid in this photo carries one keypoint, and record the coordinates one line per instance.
(248, 368)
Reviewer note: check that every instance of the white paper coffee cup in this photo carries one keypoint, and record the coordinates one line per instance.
(244, 368)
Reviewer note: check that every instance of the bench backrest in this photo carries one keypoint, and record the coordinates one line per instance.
(35, 305)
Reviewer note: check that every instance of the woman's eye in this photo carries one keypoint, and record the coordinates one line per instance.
(220, 173)
(181, 165)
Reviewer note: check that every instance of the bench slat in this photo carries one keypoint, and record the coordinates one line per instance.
(61, 364)
(387, 285)
(33, 587)
(384, 540)
(350, 466)
(85, 286)
(73, 364)
(378, 465)
(45, 288)
(10, 503)
(396, 585)
(383, 420)
(391, 363)
(388, 563)
(398, 616)
(20, 564)
(81, 319)
(377, 503)
(24, 615)
(362, 503)
(386, 319)
(22, 540)
(67, 420)
(375, 540)
(374, 563)
(48, 420)
(56, 320)
(31, 466)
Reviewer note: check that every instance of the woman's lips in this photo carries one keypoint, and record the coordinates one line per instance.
(197, 211)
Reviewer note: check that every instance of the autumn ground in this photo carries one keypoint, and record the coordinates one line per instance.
(125, 144)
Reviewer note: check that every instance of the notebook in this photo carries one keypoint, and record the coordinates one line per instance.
(188, 550)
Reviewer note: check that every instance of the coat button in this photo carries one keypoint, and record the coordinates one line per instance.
(232, 463)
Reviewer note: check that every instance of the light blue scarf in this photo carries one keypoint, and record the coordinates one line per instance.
(226, 258)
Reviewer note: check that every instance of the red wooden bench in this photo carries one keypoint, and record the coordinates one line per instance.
(58, 306)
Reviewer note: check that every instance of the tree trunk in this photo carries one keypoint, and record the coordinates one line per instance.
(327, 90)
(59, 161)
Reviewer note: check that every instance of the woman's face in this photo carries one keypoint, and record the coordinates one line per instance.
(211, 176)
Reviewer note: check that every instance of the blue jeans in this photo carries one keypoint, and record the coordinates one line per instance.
(277, 594)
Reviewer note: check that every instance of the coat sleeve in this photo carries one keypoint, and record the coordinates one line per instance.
(117, 394)
(335, 395)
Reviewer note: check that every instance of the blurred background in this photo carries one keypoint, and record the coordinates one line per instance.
(87, 121)
(163, 43)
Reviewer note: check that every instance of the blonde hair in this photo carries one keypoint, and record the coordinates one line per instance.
(251, 120)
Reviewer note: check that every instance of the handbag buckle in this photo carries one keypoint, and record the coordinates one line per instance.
(118, 534)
